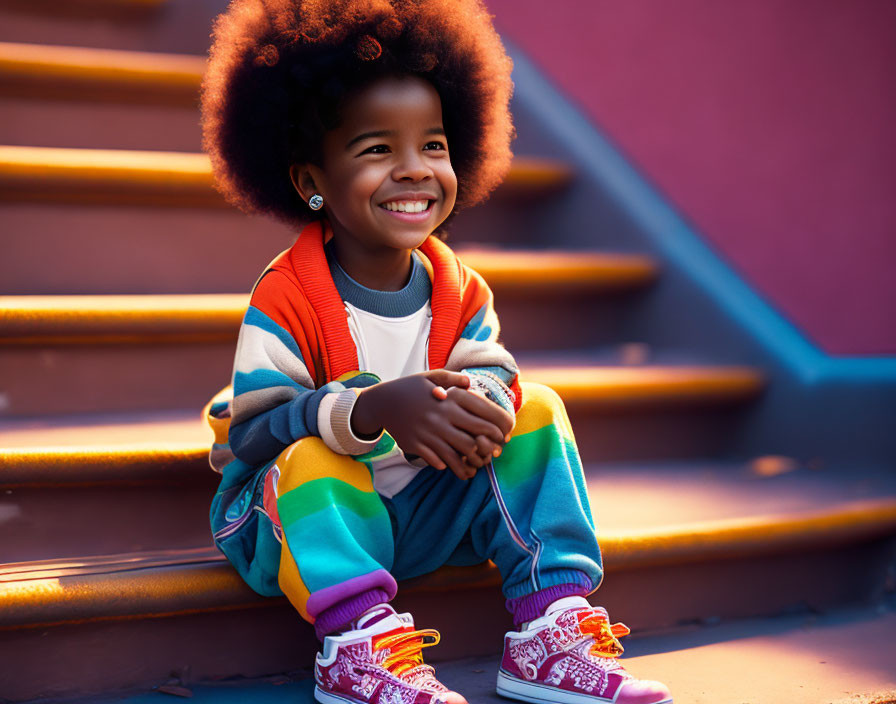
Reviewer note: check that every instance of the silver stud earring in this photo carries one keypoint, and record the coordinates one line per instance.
(316, 202)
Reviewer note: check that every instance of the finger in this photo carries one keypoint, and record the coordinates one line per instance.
(484, 408)
(439, 393)
(465, 445)
(472, 469)
(469, 469)
(429, 456)
(442, 377)
(487, 448)
(485, 451)
(476, 461)
(473, 424)
(451, 458)
(438, 424)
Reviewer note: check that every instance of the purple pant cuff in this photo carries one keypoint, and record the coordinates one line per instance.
(532, 606)
(342, 613)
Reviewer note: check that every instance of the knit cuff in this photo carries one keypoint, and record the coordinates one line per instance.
(342, 613)
(334, 424)
(493, 388)
(532, 606)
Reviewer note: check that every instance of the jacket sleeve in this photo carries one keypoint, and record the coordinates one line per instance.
(477, 351)
(275, 400)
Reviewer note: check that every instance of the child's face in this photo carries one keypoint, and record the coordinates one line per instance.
(390, 152)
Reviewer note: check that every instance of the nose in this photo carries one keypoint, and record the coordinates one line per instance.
(411, 166)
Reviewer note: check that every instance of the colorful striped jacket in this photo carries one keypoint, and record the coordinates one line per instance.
(295, 351)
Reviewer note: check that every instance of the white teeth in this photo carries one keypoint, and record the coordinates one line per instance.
(407, 206)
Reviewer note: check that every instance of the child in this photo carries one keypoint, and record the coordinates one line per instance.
(377, 428)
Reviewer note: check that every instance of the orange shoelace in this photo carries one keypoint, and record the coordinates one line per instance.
(606, 637)
(404, 649)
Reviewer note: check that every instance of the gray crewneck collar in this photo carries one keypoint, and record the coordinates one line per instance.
(392, 304)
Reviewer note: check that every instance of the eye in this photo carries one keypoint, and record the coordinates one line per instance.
(376, 149)
(436, 146)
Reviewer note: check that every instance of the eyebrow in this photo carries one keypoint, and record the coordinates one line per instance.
(388, 133)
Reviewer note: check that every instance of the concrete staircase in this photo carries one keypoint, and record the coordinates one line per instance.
(124, 279)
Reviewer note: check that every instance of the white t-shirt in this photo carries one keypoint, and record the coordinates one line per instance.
(391, 333)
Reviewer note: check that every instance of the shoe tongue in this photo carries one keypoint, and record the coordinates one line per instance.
(373, 616)
(567, 602)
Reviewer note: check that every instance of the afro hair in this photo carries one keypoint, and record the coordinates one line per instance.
(279, 71)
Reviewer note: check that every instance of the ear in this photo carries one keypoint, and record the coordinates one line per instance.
(302, 177)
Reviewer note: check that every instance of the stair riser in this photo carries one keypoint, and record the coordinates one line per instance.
(152, 249)
(41, 381)
(745, 587)
(51, 523)
(134, 250)
(655, 433)
(105, 656)
(178, 26)
(105, 124)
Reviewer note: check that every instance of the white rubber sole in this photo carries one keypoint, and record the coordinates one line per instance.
(327, 698)
(514, 688)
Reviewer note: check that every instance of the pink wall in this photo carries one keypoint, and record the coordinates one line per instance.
(770, 124)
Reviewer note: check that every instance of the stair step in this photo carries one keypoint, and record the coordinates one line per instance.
(73, 71)
(94, 176)
(95, 450)
(184, 602)
(134, 449)
(630, 386)
(134, 250)
(59, 499)
(91, 373)
(78, 97)
(85, 342)
(120, 176)
(632, 496)
(541, 296)
(167, 582)
(685, 412)
(122, 318)
(843, 656)
(27, 320)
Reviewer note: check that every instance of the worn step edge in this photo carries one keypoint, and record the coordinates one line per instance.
(614, 388)
(178, 74)
(116, 587)
(174, 178)
(120, 318)
(170, 463)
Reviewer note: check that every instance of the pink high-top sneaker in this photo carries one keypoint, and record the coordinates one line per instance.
(568, 656)
(379, 662)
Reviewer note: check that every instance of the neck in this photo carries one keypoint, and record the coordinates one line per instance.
(384, 269)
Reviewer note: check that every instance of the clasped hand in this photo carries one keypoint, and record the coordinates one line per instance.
(435, 415)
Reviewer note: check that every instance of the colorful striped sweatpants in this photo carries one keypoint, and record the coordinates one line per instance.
(344, 546)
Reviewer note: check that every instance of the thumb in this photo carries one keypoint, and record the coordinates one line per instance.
(446, 379)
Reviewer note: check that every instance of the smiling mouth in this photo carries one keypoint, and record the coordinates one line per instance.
(407, 206)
